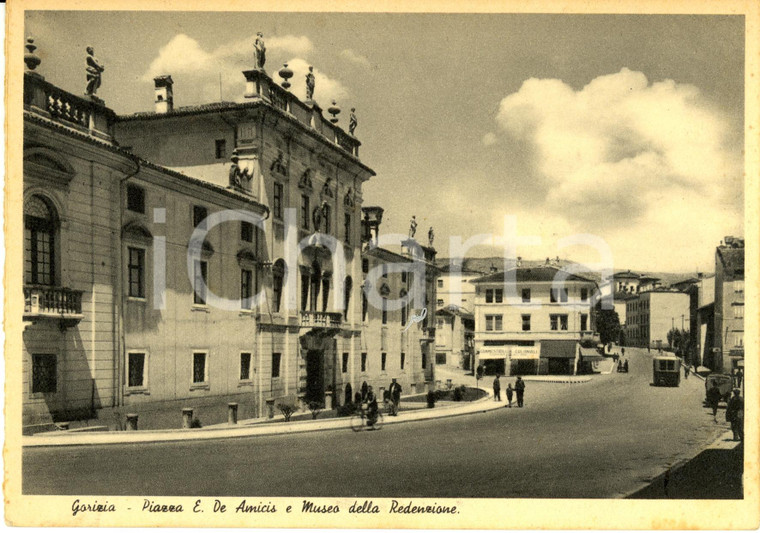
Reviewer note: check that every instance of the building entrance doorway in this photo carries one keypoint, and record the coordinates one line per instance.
(493, 367)
(560, 366)
(315, 391)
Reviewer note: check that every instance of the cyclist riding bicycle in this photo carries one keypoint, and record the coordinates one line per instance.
(371, 400)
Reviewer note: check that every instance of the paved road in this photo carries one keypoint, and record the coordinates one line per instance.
(593, 440)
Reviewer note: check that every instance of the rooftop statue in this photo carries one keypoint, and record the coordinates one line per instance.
(310, 83)
(431, 236)
(260, 51)
(352, 121)
(94, 69)
(412, 227)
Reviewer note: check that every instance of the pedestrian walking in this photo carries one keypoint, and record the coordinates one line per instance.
(509, 394)
(395, 391)
(649, 349)
(735, 415)
(686, 372)
(622, 352)
(739, 376)
(625, 366)
(520, 390)
(496, 389)
(713, 397)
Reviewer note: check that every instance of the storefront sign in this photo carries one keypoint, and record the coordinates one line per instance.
(493, 353)
(526, 352)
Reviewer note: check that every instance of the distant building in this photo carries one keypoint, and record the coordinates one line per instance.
(629, 282)
(526, 325)
(728, 351)
(454, 287)
(454, 335)
(652, 314)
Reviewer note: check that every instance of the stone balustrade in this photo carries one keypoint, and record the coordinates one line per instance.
(87, 114)
(318, 319)
(260, 85)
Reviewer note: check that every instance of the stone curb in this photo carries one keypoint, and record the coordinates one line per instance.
(569, 379)
(253, 430)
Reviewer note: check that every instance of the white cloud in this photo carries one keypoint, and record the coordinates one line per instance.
(646, 165)
(355, 58)
(489, 138)
(197, 72)
(290, 44)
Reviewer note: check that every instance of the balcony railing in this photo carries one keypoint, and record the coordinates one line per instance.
(318, 319)
(52, 302)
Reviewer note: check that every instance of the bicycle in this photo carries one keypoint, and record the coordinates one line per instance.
(360, 420)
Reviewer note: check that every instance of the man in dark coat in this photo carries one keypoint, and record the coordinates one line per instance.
(713, 397)
(739, 376)
(497, 389)
(735, 414)
(395, 390)
(520, 390)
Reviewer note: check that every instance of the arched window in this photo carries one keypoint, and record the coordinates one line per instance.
(325, 291)
(347, 287)
(316, 280)
(278, 274)
(365, 305)
(405, 308)
(40, 223)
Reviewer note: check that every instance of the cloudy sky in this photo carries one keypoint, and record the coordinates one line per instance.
(625, 127)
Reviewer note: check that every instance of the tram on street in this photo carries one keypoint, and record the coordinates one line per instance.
(666, 370)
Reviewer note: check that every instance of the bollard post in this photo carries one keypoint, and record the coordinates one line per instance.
(131, 422)
(187, 417)
(232, 408)
(328, 400)
(270, 407)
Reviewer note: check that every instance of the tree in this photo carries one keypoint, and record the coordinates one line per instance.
(607, 324)
(680, 342)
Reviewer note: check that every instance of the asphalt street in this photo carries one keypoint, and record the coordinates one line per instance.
(605, 438)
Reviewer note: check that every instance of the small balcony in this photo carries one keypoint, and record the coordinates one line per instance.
(318, 319)
(52, 303)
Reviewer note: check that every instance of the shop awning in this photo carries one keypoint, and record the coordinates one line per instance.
(559, 349)
(591, 354)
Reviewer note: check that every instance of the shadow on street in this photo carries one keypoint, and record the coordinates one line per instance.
(714, 474)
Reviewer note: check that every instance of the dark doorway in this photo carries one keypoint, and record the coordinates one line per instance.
(560, 366)
(315, 391)
(349, 396)
(493, 367)
(523, 367)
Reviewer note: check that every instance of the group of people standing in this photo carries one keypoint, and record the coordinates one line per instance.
(734, 409)
(519, 390)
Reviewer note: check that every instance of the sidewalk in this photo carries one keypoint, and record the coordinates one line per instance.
(715, 473)
(251, 427)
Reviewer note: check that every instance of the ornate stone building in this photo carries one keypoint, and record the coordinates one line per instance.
(194, 256)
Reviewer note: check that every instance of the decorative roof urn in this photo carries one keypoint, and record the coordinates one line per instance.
(285, 73)
(30, 58)
(334, 110)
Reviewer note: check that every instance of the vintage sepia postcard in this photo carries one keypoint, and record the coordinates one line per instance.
(487, 265)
